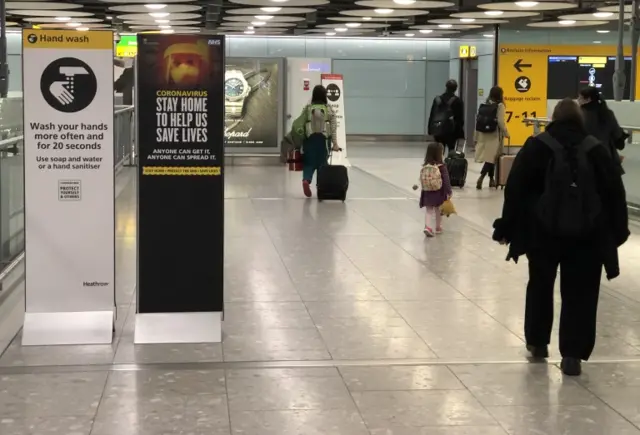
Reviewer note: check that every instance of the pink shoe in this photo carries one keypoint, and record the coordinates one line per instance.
(439, 230)
(428, 232)
(306, 188)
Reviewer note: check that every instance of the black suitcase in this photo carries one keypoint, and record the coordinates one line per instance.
(333, 182)
(457, 166)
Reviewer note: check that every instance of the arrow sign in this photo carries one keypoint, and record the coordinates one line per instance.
(519, 65)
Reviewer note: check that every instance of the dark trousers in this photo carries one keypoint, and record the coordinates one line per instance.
(580, 272)
(315, 155)
(449, 143)
(488, 169)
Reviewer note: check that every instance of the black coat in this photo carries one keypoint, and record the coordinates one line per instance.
(601, 123)
(525, 185)
(457, 108)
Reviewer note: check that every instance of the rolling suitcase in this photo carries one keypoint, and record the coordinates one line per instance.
(503, 167)
(457, 166)
(333, 182)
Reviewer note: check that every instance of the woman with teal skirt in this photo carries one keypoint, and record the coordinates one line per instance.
(315, 148)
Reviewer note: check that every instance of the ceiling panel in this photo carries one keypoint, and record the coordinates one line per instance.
(299, 17)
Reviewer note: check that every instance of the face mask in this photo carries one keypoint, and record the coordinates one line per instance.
(185, 69)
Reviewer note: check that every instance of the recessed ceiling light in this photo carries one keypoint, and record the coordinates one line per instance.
(602, 14)
(155, 6)
(366, 18)
(84, 29)
(603, 31)
(404, 2)
(566, 22)
(249, 32)
(258, 23)
(74, 24)
(426, 31)
(164, 27)
(159, 14)
(353, 24)
(250, 27)
(383, 11)
(488, 35)
(445, 26)
(467, 20)
(264, 17)
(109, 18)
(493, 13)
(526, 4)
(270, 9)
(341, 29)
(597, 42)
(409, 34)
(330, 33)
(63, 18)
(162, 21)
(166, 31)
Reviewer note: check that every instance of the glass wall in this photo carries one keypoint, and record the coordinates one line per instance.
(389, 82)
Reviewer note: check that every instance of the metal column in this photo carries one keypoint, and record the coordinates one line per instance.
(4, 68)
(635, 33)
(619, 77)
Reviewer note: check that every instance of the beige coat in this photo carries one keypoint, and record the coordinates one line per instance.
(489, 145)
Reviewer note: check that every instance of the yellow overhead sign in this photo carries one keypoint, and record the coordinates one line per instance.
(464, 51)
(472, 51)
(600, 60)
(523, 76)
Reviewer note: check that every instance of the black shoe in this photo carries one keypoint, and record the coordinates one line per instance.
(538, 352)
(571, 366)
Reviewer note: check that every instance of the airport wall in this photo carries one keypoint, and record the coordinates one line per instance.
(389, 82)
(485, 58)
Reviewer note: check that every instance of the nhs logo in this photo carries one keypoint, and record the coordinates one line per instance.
(214, 42)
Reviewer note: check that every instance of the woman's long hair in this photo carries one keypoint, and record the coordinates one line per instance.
(592, 94)
(496, 94)
(319, 95)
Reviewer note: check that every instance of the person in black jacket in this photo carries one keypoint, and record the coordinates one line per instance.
(580, 259)
(601, 122)
(457, 109)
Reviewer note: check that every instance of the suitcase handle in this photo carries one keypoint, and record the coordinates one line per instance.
(331, 154)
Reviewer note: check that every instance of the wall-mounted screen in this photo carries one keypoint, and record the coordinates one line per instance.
(566, 75)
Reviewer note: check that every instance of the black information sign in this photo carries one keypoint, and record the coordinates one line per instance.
(180, 109)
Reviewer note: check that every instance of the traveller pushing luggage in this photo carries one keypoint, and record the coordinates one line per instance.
(316, 128)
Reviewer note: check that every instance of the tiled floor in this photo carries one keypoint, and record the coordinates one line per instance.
(341, 320)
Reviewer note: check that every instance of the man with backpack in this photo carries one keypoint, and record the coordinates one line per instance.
(564, 205)
(446, 121)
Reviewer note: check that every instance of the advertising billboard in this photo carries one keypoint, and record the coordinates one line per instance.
(251, 103)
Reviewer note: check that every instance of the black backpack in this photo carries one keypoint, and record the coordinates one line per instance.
(487, 118)
(442, 123)
(570, 203)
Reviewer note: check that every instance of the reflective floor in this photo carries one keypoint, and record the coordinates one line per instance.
(341, 320)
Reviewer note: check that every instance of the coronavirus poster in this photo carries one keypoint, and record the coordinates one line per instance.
(180, 106)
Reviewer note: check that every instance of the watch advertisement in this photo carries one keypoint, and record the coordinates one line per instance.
(179, 85)
(251, 114)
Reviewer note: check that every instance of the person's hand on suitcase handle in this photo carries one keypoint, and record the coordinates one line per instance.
(336, 148)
